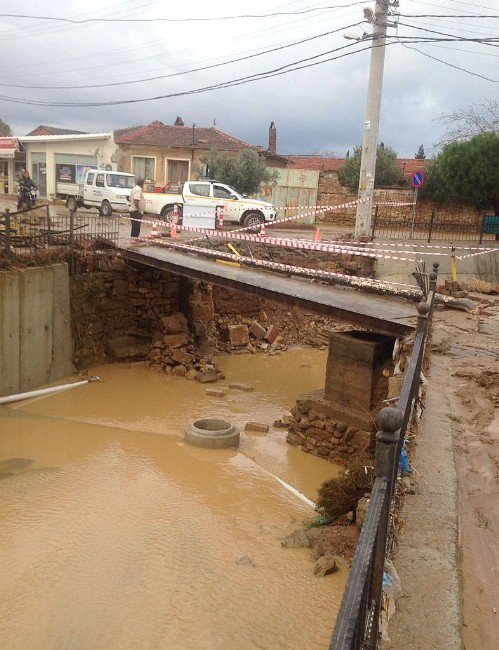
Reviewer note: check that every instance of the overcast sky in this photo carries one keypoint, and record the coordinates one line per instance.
(318, 109)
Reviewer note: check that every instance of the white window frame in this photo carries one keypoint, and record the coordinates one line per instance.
(187, 160)
(155, 167)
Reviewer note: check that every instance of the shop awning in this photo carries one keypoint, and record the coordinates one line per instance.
(8, 147)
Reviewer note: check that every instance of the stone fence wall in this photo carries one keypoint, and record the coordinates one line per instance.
(332, 192)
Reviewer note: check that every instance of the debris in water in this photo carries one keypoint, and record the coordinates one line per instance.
(325, 565)
(258, 427)
(245, 561)
(239, 386)
(15, 463)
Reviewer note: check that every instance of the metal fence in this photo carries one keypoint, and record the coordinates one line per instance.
(402, 223)
(357, 625)
(35, 232)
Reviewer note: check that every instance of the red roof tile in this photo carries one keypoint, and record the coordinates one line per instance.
(54, 130)
(164, 135)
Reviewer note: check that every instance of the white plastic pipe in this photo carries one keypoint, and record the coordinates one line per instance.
(8, 399)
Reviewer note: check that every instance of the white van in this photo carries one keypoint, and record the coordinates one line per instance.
(104, 190)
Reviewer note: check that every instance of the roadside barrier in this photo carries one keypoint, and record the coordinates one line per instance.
(154, 231)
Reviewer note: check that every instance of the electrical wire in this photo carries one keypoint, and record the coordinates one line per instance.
(176, 74)
(179, 20)
(433, 31)
(451, 65)
(292, 67)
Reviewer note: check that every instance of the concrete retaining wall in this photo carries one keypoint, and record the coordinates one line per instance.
(35, 328)
(485, 267)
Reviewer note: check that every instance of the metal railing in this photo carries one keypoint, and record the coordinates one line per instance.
(36, 232)
(357, 624)
(401, 223)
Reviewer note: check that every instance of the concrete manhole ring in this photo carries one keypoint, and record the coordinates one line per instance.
(213, 433)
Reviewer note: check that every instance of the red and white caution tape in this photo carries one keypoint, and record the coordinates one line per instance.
(359, 282)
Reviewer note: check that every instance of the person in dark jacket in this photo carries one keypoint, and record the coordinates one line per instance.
(26, 184)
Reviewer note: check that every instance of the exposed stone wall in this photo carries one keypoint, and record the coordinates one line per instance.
(332, 192)
(117, 310)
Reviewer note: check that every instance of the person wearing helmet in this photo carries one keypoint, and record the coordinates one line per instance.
(26, 184)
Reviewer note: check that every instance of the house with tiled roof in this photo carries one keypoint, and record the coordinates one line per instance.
(42, 129)
(169, 154)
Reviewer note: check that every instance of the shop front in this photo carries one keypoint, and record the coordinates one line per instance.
(53, 159)
(12, 163)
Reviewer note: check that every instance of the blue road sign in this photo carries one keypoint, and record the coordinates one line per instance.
(418, 179)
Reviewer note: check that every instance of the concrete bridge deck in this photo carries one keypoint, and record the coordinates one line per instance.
(384, 314)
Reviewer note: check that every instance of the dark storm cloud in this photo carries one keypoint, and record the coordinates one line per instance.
(320, 109)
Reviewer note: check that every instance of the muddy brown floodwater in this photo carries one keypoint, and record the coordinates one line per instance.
(116, 534)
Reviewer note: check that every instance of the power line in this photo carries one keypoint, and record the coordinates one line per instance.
(227, 84)
(176, 74)
(451, 65)
(448, 15)
(178, 20)
(433, 31)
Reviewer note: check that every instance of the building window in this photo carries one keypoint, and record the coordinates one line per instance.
(144, 168)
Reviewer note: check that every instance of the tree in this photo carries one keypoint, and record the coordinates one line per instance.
(467, 172)
(245, 172)
(420, 154)
(5, 129)
(388, 171)
(465, 123)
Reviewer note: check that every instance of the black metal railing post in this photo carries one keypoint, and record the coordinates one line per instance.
(49, 225)
(390, 420)
(72, 242)
(8, 233)
(375, 221)
(430, 231)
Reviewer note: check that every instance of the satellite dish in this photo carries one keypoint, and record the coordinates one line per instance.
(108, 167)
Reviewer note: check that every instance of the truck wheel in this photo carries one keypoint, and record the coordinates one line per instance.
(72, 204)
(167, 214)
(105, 209)
(254, 219)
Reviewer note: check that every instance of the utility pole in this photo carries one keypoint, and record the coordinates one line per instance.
(371, 124)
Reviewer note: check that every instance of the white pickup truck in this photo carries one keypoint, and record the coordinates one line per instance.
(104, 190)
(238, 209)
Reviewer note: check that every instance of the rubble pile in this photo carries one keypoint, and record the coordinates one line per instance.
(317, 434)
(175, 352)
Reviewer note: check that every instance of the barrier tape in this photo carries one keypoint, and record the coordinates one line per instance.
(360, 282)
(326, 207)
(369, 249)
(482, 252)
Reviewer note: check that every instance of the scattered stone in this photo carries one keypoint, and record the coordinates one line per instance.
(240, 386)
(257, 330)
(296, 539)
(182, 357)
(207, 376)
(280, 424)
(176, 340)
(215, 392)
(179, 371)
(325, 565)
(191, 374)
(271, 334)
(238, 335)
(245, 561)
(259, 427)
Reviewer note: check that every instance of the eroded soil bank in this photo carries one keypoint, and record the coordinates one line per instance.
(116, 534)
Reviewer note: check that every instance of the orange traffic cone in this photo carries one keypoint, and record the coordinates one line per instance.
(318, 237)
(263, 232)
(154, 231)
(174, 222)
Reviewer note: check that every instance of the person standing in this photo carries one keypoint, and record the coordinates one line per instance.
(137, 206)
